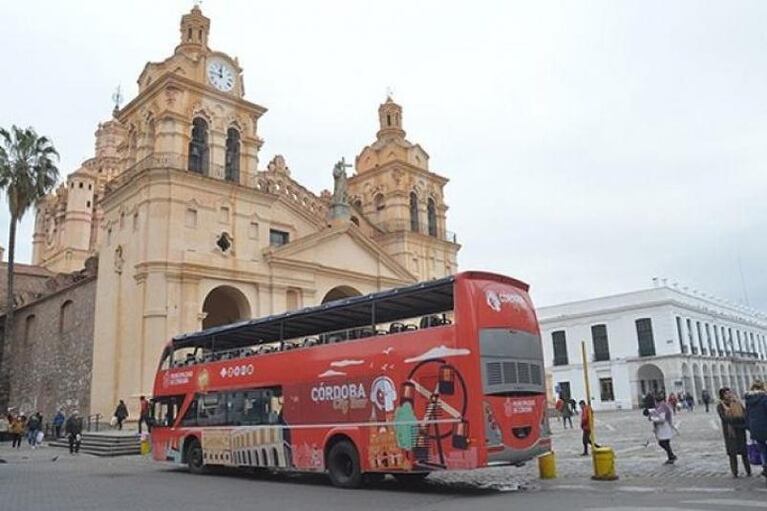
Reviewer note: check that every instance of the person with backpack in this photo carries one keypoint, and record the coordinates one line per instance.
(74, 430)
(733, 418)
(121, 413)
(756, 419)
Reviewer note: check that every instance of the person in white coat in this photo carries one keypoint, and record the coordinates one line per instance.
(662, 419)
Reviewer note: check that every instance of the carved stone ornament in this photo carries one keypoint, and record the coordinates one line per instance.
(278, 165)
(119, 259)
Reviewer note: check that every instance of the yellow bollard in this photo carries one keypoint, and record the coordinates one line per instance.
(547, 466)
(604, 464)
(146, 446)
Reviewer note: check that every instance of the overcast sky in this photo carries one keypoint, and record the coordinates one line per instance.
(589, 145)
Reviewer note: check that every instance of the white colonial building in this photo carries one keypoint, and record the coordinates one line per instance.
(663, 338)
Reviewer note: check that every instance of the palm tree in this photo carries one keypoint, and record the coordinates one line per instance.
(27, 174)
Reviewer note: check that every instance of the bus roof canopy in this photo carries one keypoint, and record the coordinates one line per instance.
(412, 301)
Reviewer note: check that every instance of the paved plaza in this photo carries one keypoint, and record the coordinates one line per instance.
(49, 478)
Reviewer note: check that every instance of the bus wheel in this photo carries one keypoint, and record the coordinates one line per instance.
(410, 478)
(344, 465)
(194, 458)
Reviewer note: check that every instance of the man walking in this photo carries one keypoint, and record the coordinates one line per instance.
(567, 414)
(144, 415)
(33, 426)
(74, 429)
(706, 398)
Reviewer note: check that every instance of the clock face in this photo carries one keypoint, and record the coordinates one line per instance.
(221, 75)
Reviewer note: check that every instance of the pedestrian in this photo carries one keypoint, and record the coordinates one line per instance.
(121, 413)
(17, 426)
(756, 419)
(690, 402)
(558, 406)
(648, 401)
(567, 415)
(663, 426)
(33, 426)
(74, 430)
(585, 426)
(58, 422)
(672, 402)
(733, 417)
(144, 415)
(706, 396)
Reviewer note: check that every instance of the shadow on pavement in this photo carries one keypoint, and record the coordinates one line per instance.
(389, 484)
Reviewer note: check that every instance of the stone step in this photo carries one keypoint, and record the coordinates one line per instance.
(105, 444)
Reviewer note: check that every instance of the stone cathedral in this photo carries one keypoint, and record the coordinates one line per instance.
(175, 225)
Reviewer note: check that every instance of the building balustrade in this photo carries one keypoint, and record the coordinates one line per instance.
(399, 225)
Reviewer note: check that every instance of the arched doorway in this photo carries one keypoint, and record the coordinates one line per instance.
(650, 379)
(339, 293)
(686, 378)
(224, 305)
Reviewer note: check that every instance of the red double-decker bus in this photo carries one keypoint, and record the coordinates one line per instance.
(440, 375)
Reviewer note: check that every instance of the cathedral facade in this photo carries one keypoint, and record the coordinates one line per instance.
(190, 230)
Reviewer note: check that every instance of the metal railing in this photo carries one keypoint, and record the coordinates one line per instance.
(93, 422)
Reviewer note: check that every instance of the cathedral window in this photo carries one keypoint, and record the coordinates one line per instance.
(413, 212)
(191, 217)
(81, 184)
(224, 242)
(66, 317)
(198, 147)
(431, 210)
(88, 204)
(29, 329)
(232, 165)
(189, 34)
(388, 119)
(379, 202)
(253, 231)
(278, 238)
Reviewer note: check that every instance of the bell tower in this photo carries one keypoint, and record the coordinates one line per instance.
(394, 190)
(390, 120)
(194, 31)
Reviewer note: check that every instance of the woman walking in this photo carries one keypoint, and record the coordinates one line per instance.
(121, 413)
(18, 425)
(663, 424)
(733, 417)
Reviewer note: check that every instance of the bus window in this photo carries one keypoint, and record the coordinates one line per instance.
(165, 362)
(165, 409)
(211, 410)
(254, 407)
